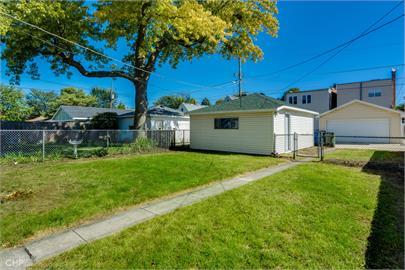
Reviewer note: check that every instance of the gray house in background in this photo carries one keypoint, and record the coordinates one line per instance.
(82, 113)
(380, 92)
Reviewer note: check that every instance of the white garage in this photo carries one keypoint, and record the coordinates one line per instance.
(256, 124)
(363, 122)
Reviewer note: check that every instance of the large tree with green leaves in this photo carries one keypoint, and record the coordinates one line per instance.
(41, 102)
(106, 98)
(174, 101)
(13, 105)
(154, 32)
(74, 97)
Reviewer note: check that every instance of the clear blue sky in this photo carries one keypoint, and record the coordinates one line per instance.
(306, 28)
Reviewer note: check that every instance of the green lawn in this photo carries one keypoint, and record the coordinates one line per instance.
(57, 194)
(311, 216)
(365, 155)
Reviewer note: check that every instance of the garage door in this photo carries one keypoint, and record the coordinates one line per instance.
(360, 127)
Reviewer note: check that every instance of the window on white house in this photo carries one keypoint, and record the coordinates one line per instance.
(226, 123)
(374, 93)
(295, 99)
(403, 120)
(290, 100)
(304, 99)
(309, 99)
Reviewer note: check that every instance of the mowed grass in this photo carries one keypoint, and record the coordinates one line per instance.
(310, 216)
(60, 194)
(365, 155)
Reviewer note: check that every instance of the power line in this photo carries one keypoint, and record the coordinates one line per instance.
(362, 69)
(350, 43)
(324, 52)
(98, 53)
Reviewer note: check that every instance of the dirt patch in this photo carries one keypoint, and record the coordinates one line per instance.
(370, 165)
(16, 195)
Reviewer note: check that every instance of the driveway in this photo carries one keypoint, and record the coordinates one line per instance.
(382, 147)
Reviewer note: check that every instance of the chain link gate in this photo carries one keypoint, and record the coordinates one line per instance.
(307, 145)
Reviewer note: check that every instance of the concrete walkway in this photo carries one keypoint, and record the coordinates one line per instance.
(21, 258)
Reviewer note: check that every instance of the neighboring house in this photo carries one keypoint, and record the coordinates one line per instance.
(82, 113)
(378, 92)
(360, 118)
(158, 118)
(230, 98)
(188, 107)
(254, 125)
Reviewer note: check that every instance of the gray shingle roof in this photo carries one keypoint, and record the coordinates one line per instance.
(83, 112)
(192, 107)
(158, 110)
(254, 101)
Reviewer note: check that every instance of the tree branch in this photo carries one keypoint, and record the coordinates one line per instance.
(95, 74)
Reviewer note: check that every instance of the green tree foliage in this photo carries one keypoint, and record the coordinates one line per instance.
(289, 91)
(174, 101)
(155, 32)
(400, 107)
(41, 102)
(106, 98)
(219, 101)
(206, 102)
(121, 106)
(106, 120)
(75, 97)
(13, 105)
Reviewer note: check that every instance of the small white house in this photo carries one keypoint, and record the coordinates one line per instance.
(158, 118)
(189, 107)
(256, 124)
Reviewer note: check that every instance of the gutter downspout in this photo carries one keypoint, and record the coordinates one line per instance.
(361, 90)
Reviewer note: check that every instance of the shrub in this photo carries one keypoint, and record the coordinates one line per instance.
(106, 120)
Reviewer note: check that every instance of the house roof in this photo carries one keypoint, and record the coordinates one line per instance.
(364, 103)
(157, 110)
(82, 112)
(250, 102)
(192, 107)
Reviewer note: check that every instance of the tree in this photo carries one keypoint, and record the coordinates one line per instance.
(206, 102)
(121, 106)
(289, 91)
(13, 106)
(174, 101)
(150, 33)
(74, 97)
(108, 120)
(106, 98)
(41, 102)
(400, 107)
(219, 101)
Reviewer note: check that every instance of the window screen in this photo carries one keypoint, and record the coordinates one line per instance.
(226, 123)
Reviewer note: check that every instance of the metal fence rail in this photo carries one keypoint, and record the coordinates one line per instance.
(47, 142)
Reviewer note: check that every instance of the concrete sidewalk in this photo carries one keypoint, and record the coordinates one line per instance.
(21, 258)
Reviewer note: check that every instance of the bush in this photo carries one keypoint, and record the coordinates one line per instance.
(106, 120)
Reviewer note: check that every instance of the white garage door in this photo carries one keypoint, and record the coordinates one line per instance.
(360, 127)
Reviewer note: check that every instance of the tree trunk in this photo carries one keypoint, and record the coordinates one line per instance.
(141, 104)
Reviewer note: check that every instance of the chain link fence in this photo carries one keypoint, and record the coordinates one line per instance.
(44, 143)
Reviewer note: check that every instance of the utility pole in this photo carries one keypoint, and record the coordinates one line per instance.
(240, 82)
(111, 93)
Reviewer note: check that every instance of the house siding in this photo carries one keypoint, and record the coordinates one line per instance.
(362, 111)
(319, 100)
(167, 123)
(301, 123)
(351, 91)
(61, 115)
(254, 135)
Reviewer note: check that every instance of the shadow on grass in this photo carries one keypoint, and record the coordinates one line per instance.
(386, 240)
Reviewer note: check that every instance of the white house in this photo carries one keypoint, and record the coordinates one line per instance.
(158, 118)
(188, 107)
(362, 122)
(256, 124)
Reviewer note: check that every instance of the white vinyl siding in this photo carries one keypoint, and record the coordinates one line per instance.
(301, 123)
(254, 135)
(158, 122)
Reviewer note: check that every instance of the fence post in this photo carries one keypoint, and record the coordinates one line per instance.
(43, 145)
(322, 136)
(294, 145)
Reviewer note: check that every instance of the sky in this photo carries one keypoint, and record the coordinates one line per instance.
(306, 29)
